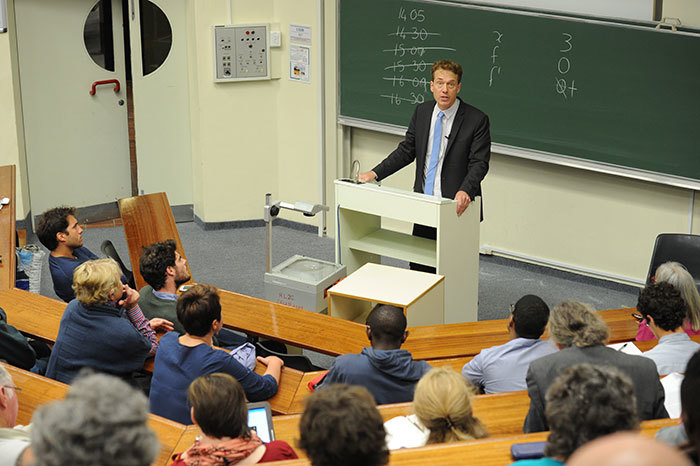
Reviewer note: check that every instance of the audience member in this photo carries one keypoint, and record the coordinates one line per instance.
(581, 334)
(678, 276)
(164, 269)
(583, 403)
(443, 413)
(690, 405)
(342, 427)
(181, 359)
(101, 421)
(14, 440)
(59, 231)
(219, 409)
(627, 449)
(502, 368)
(663, 309)
(103, 328)
(388, 372)
(676, 435)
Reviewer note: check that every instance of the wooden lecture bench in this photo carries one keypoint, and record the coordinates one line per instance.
(38, 390)
(485, 452)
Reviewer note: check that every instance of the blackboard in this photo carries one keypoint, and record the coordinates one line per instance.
(618, 94)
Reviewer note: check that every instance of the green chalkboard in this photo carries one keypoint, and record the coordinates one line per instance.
(603, 92)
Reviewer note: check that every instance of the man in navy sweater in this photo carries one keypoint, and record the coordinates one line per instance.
(59, 231)
(389, 373)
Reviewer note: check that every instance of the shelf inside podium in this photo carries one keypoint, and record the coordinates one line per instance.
(397, 245)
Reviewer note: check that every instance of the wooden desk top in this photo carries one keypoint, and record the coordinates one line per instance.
(7, 228)
(381, 283)
(485, 452)
(34, 314)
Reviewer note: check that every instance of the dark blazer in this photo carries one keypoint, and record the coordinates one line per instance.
(642, 371)
(466, 157)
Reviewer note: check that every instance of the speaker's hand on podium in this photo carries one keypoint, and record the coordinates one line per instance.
(463, 201)
(366, 177)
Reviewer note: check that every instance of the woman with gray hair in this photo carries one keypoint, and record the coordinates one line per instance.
(580, 334)
(101, 421)
(585, 402)
(675, 273)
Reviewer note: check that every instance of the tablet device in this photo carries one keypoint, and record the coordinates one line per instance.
(260, 420)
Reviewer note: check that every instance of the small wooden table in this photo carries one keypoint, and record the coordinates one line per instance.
(421, 295)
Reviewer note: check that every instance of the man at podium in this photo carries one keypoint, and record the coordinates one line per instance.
(450, 142)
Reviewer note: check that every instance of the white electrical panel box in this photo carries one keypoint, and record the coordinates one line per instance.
(241, 52)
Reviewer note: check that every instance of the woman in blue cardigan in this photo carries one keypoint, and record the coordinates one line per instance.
(103, 327)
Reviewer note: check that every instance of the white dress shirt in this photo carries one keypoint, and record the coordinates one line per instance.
(447, 121)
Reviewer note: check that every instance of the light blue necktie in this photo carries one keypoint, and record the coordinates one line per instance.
(434, 155)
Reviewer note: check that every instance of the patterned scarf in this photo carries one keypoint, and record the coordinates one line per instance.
(226, 453)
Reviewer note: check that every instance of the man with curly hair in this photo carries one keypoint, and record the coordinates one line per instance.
(585, 402)
(664, 309)
(342, 427)
(59, 231)
(164, 269)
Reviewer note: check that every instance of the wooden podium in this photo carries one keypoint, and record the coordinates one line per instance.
(455, 254)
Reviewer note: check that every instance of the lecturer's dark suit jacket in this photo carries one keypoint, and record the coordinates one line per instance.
(642, 371)
(466, 157)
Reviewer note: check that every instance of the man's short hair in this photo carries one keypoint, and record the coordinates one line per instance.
(341, 426)
(50, 223)
(586, 402)
(154, 261)
(95, 280)
(575, 323)
(447, 65)
(690, 401)
(664, 304)
(530, 316)
(101, 421)
(197, 308)
(387, 322)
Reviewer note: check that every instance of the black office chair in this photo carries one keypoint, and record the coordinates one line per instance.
(295, 361)
(109, 250)
(676, 247)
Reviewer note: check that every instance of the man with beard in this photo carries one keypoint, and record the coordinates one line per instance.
(164, 269)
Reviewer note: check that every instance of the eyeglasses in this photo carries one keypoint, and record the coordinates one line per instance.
(451, 85)
(13, 387)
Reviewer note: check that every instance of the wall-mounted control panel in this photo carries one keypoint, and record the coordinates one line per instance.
(241, 52)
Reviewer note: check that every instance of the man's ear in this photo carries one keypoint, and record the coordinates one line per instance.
(405, 335)
(511, 323)
(368, 331)
(650, 319)
(170, 270)
(3, 398)
(61, 237)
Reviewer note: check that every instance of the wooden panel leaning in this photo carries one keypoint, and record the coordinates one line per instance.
(34, 314)
(148, 219)
(7, 228)
(38, 390)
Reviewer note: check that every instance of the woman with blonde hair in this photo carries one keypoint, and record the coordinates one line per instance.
(442, 404)
(103, 327)
(677, 275)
